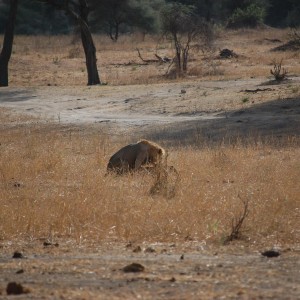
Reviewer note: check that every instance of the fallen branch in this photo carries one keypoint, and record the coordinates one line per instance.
(131, 63)
(158, 60)
(146, 60)
(257, 90)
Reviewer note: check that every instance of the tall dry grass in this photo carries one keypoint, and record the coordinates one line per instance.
(53, 185)
(59, 60)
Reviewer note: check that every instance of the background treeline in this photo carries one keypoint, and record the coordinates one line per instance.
(118, 16)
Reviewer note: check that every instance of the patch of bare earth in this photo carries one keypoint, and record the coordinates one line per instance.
(187, 270)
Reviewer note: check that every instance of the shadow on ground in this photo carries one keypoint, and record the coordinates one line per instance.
(274, 121)
(11, 95)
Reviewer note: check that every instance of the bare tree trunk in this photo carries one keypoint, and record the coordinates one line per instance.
(88, 45)
(86, 36)
(114, 31)
(185, 54)
(178, 53)
(8, 43)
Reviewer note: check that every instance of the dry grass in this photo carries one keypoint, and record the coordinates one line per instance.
(53, 186)
(59, 60)
(52, 181)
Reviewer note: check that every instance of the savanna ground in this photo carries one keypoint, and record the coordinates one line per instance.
(230, 131)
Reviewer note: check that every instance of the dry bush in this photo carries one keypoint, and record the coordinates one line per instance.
(237, 224)
(53, 186)
(278, 72)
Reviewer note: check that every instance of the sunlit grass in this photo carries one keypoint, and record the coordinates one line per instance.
(59, 60)
(53, 185)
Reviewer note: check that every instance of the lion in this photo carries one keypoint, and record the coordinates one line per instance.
(133, 156)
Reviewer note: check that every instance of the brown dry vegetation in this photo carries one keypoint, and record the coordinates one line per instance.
(53, 186)
(59, 60)
(52, 177)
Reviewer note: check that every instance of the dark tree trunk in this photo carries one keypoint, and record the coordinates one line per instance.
(114, 31)
(178, 53)
(86, 36)
(117, 31)
(8, 43)
(185, 54)
(88, 45)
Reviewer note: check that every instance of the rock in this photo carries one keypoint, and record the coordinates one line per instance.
(17, 254)
(14, 288)
(271, 253)
(226, 53)
(133, 268)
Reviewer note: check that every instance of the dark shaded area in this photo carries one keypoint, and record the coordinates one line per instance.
(293, 45)
(35, 17)
(274, 121)
(14, 96)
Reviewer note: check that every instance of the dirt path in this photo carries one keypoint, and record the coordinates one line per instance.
(189, 271)
(217, 108)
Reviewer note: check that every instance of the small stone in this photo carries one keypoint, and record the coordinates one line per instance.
(271, 253)
(129, 245)
(149, 250)
(137, 249)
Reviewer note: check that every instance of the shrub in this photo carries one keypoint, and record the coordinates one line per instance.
(252, 16)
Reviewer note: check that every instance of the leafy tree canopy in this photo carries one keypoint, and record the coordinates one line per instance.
(34, 17)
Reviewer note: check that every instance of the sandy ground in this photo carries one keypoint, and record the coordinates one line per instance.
(188, 270)
(174, 112)
(215, 108)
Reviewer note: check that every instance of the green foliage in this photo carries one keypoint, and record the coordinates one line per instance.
(205, 9)
(184, 28)
(115, 16)
(283, 13)
(109, 16)
(34, 17)
(293, 18)
(3, 15)
(251, 16)
(177, 18)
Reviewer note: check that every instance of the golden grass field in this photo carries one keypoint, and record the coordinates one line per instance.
(52, 176)
(53, 185)
(59, 60)
(53, 180)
